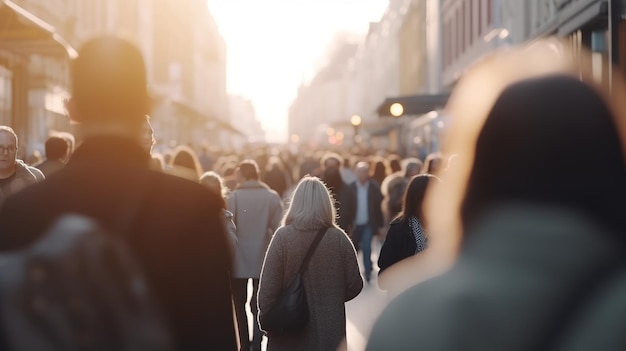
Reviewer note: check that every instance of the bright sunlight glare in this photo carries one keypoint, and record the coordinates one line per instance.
(273, 45)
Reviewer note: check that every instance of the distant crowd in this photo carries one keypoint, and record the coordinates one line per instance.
(511, 237)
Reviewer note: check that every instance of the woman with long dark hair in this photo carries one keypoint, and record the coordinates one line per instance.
(406, 236)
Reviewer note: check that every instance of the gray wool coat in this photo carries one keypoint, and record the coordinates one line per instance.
(528, 278)
(257, 211)
(331, 278)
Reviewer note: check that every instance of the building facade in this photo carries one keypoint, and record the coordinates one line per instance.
(185, 59)
(390, 60)
(473, 28)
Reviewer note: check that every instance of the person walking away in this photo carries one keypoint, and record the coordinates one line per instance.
(257, 213)
(330, 279)
(178, 239)
(406, 235)
(214, 182)
(342, 193)
(57, 151)
(542, 248)
(394, 187)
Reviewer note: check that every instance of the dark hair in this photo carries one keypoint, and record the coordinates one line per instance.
(185, 157)
(414, 197)
(57, 148)
(249, 170)
(395, 164)
(109, 80)
(433, 163)
(379, 171)
(332, 177)
(530, 147)
(331, 156)
(412, 166)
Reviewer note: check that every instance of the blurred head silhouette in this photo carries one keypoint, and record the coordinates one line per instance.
(531, 146)
(109, 87)
(531, 126)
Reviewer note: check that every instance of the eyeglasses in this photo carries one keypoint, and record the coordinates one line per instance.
(7, 149)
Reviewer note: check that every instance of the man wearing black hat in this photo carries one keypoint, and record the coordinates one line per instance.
(178, 236)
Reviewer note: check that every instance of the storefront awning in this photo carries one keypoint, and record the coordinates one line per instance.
(23, 33)
(413, 104)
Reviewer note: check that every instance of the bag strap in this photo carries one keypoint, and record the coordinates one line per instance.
(312, 248)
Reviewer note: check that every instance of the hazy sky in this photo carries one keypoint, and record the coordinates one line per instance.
(273, 44)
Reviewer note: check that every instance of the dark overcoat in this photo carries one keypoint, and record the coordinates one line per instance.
(178, 236)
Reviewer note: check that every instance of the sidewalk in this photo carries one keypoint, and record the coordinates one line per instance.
(362, 312)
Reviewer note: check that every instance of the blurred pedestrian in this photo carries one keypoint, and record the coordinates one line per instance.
(331, 278)
(184, 163)
(57, 151)
(178, 237)
(542, 250)
(15, 174)
(406, 235)
(342, 193)
(395, 185)
(275, 176)
(214, 182)
(379, 171)
(368, 221)
(257, 211)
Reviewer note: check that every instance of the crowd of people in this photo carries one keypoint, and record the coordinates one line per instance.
(513, 227)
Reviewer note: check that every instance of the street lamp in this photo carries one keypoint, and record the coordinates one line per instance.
(355, 120)
(396, 109)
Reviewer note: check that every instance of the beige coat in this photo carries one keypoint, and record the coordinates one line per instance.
(331, 278)
(257, 211)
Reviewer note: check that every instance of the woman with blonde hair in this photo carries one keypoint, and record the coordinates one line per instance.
(331, 278)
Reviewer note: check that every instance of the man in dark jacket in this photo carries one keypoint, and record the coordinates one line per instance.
(177, 233)
(369, 217)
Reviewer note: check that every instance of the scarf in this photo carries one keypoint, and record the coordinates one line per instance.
(420, 237)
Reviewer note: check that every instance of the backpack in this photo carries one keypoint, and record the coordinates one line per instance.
(77, 288)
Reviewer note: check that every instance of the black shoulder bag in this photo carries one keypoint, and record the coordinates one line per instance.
(290, 313)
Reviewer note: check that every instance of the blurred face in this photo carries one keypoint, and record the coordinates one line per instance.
(332, 163)
(8, 152)
(362, 172)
